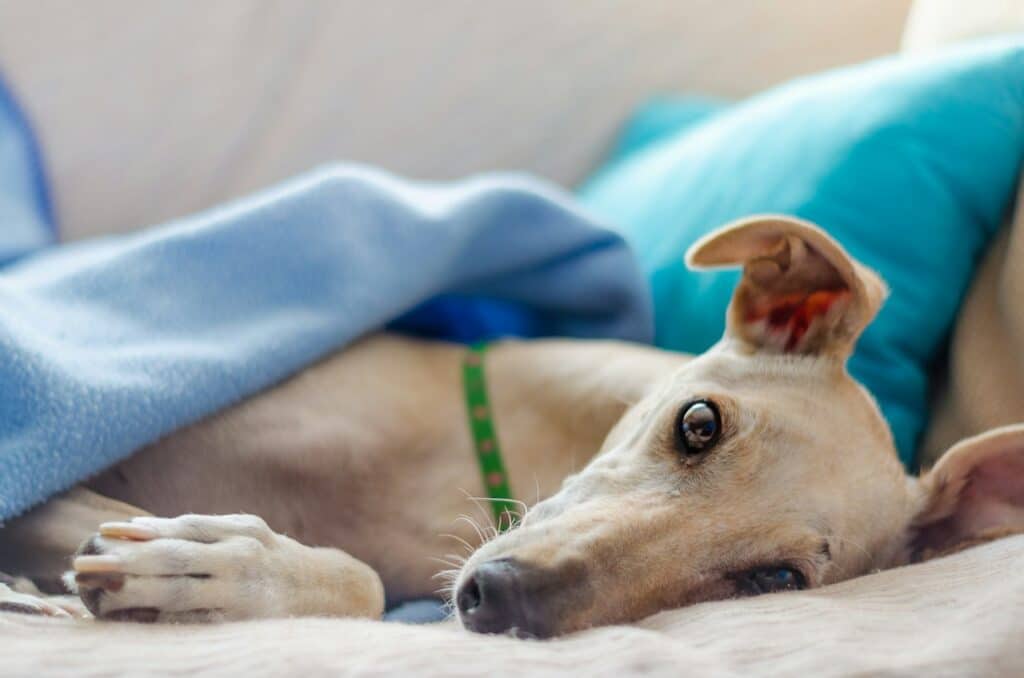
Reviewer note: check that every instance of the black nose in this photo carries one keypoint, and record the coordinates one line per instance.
(492, 600)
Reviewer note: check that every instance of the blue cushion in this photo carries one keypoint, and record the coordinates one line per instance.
(910, 162)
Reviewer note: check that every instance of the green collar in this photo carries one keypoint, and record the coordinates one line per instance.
(485, 437)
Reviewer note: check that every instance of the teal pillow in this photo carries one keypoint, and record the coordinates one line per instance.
(910, 162)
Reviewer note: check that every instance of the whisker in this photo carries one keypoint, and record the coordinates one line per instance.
(469, 547)
(450, 575)
(513, 519)
(479, 507)
(449, 606)
(457, 558)
(445, 562)
(476, 528)
(521, 504)
(451, 567)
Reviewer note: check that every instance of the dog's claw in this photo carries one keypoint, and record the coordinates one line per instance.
(98, 564)
(124, 530)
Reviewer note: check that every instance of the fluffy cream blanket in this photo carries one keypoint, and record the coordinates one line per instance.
(956, 616)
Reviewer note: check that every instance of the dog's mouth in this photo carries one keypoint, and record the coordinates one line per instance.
(511, 596)
(507, 595)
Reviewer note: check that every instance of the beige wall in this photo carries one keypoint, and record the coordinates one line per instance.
(149, 110)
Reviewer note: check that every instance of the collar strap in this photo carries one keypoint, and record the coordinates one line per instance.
(485, 437)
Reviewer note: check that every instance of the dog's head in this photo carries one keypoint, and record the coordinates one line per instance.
(759, 466)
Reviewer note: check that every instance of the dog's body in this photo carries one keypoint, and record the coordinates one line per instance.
(368, 452)
(756, 467)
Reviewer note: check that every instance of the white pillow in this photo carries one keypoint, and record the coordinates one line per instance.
(933, 23)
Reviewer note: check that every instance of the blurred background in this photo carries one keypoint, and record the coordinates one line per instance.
(151, 110)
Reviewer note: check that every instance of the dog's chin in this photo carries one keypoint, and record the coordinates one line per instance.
(533, 633)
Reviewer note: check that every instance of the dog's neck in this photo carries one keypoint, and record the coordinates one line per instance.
(554, 403)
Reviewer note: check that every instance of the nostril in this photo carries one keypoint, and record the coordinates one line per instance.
(468, 598)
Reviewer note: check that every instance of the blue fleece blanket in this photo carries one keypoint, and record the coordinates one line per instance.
(107, 345)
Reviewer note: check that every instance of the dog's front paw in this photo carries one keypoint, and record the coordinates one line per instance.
(189, 569)
(25, 603)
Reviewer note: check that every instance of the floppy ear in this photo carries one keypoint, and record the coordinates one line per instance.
(974, 493)
(800, 293)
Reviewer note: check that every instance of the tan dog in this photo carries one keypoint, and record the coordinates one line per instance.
(759, 466)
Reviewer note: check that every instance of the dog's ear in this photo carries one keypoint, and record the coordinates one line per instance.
(974, 493)
(800, 292)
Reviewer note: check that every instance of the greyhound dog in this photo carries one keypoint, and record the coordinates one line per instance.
(660, 479)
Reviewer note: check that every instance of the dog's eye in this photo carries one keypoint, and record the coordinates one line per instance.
(698, 427)
(772, 580)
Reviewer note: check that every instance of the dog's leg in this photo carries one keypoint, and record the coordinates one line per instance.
(36, 546)
(209, 568)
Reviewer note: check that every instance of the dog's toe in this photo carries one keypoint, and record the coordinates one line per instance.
(93, 546)
(93, 586)
(21, 603)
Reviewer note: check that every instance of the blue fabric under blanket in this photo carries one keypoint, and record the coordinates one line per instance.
(107, 345)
